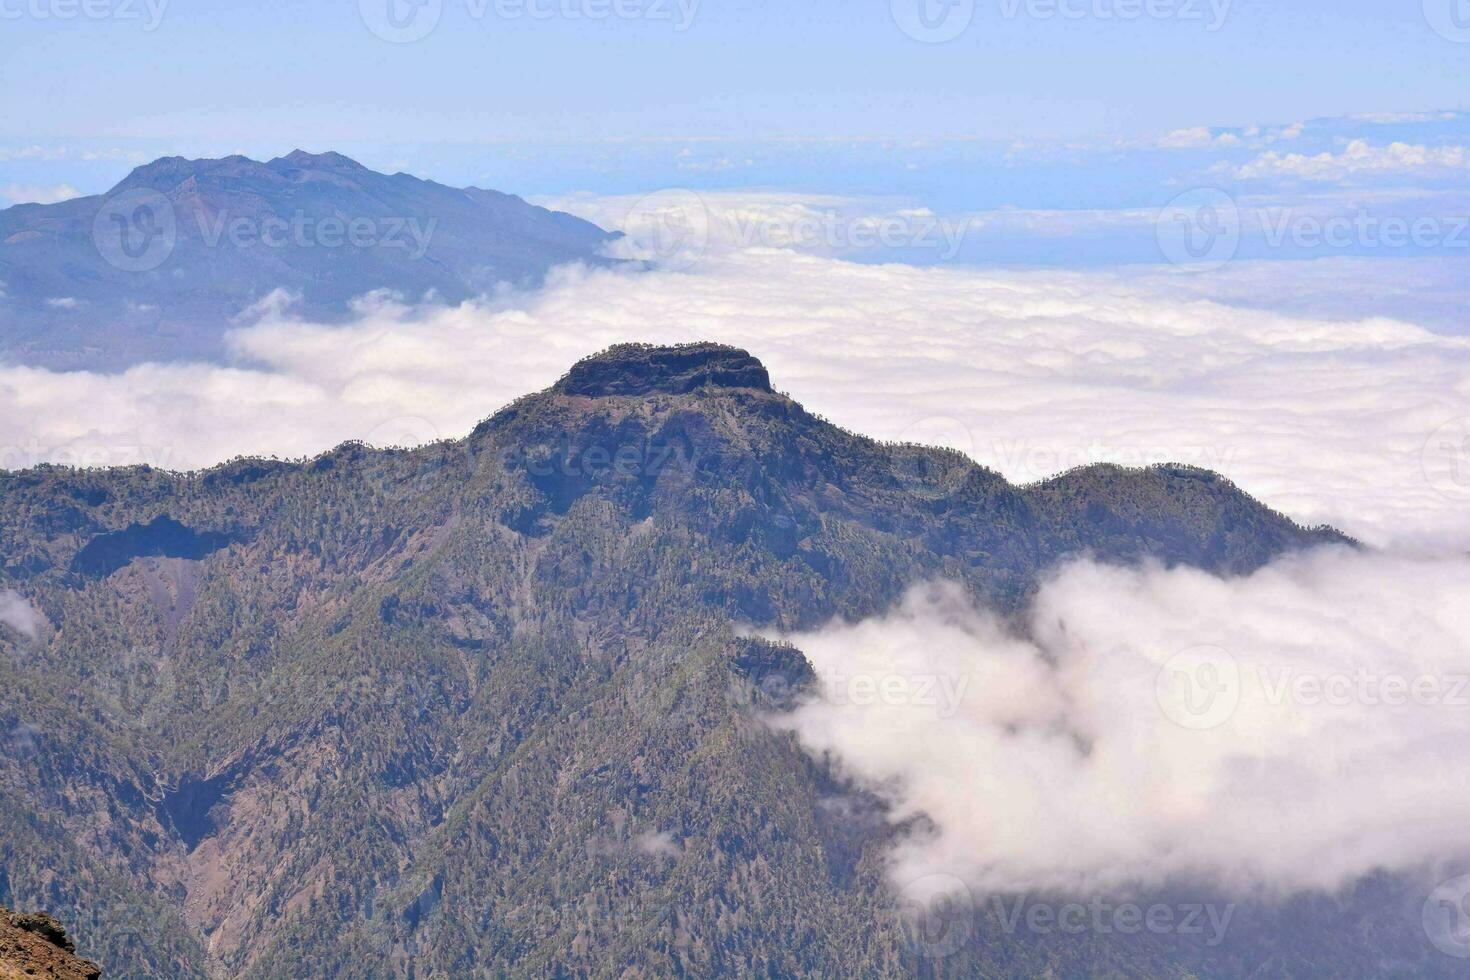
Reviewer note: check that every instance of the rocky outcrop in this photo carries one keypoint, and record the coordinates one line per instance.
(643, 369)
(35, 945)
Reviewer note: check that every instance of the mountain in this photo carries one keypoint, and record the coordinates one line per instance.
(159, 267)
(35, 946)
(488, 707)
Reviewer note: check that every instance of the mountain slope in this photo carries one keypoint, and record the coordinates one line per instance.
(484, 707)
(161, 265)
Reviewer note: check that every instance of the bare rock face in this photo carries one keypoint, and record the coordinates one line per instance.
(35, 945)
(643, 369)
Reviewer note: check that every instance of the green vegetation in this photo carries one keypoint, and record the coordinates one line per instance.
(482, 708)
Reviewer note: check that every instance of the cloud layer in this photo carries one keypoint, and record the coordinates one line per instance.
(1362, 423)
(1294, 729)
(1011, 744)
(1359, 158)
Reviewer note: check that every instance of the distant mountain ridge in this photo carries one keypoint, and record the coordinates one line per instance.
(160, 266)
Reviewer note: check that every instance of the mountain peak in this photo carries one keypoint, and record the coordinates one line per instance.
(330, 160)
(166, 173)
(643, 369)
(427, 239)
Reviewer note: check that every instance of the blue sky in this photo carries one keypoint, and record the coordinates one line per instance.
(1058, 130)
(549, 94)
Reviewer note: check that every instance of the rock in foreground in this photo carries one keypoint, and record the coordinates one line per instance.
(35, 945)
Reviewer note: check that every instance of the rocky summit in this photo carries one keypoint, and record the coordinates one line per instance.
(645, 369)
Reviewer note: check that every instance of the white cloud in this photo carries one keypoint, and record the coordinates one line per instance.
(1196, 138)
(1090, 756)
(17, 613)
(1331, 419)
(33, 194)
(63, 303)
(1397, 118)
(32, 152)
(658, 844)
(1359, 159)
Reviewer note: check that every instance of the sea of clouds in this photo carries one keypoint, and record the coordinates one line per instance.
(1363, 423)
